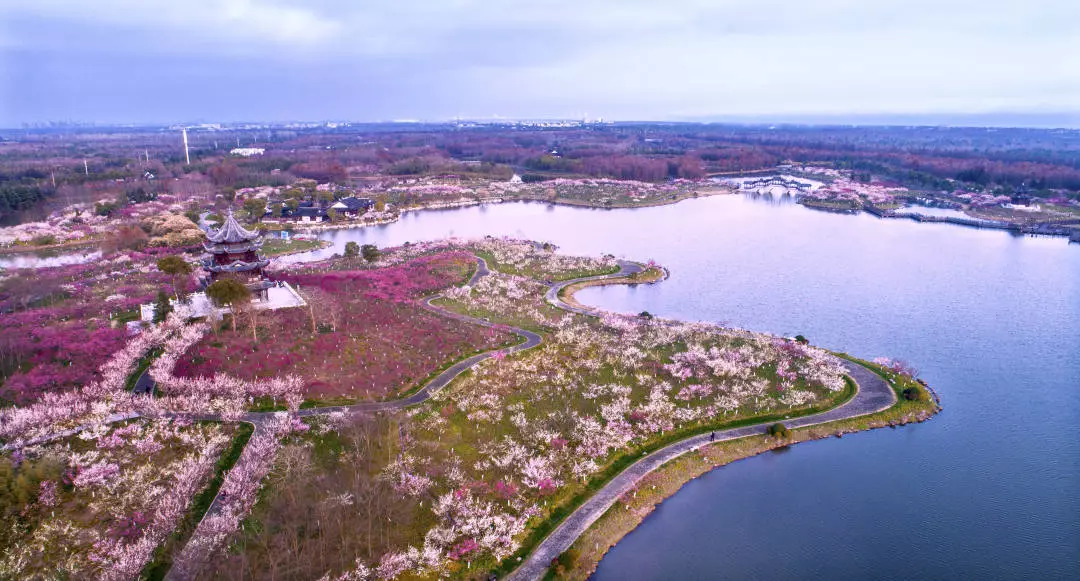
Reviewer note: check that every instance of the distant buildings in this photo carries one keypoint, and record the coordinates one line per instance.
(247, 151)
(308, 211)
(352, 207)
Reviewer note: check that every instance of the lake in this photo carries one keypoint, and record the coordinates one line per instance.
(48, 258)
(990, 488)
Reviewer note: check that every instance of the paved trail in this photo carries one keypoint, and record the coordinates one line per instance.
(873, 395)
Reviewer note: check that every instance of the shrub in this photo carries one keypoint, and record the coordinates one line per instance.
(352, 249)
(565, 562)
(779, 430)
(916, 393)
(801, 339)
(106, 208)
(645, 315)
(128, 237)
(370, 252)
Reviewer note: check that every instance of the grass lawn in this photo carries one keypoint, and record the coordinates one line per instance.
(276, 246)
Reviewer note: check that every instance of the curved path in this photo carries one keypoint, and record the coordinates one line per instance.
(626, 268)
(873, 395)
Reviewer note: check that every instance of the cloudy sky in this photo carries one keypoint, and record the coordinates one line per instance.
(226, 60)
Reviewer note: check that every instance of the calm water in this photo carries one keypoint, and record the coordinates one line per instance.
(943, 212)
(47, 258)
(990, 489)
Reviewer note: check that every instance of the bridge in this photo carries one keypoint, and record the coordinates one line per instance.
(766, 185)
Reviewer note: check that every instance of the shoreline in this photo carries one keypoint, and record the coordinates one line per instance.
(456, 204)
(664, 472)
(588, 518)
(565, 293)
(655, 488)
(17, 249)
(605, 525)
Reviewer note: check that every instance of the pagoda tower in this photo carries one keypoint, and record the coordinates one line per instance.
(234, 252)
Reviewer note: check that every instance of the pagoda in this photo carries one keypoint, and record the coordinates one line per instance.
(234, 253)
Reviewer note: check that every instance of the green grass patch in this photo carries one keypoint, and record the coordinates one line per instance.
(127, 316)
(144, 363)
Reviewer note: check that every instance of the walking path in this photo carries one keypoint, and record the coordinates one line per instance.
(626, 268)
(872, 395)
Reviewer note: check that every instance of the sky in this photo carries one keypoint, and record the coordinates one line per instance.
(164, 61)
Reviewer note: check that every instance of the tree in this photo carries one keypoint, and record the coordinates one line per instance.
(255, 208)
(224, 174)
(162, 308)
(370, 252)
(175, 267)
(779, 430)
(129, 237)
(231, 293)
(105, 208)
(352, 249)
(565, 563)
(332, 215)
(380, 205)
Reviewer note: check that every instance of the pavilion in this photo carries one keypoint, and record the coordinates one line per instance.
(234, 253)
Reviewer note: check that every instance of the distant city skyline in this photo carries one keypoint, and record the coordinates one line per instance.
(831, 61)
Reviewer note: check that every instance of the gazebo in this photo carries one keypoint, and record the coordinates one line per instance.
(234, 252)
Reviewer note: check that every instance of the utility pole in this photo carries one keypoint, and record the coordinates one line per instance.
(187, 156)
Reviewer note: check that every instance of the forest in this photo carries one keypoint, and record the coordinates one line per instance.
(43, 170)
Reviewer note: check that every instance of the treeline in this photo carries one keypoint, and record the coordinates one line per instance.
(22, 190)
(37, 169)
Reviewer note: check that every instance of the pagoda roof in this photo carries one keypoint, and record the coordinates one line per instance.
(231, 232)
(236, 266)
(232, 248)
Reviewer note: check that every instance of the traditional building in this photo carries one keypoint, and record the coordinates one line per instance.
(234, 251)
(352, 207)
